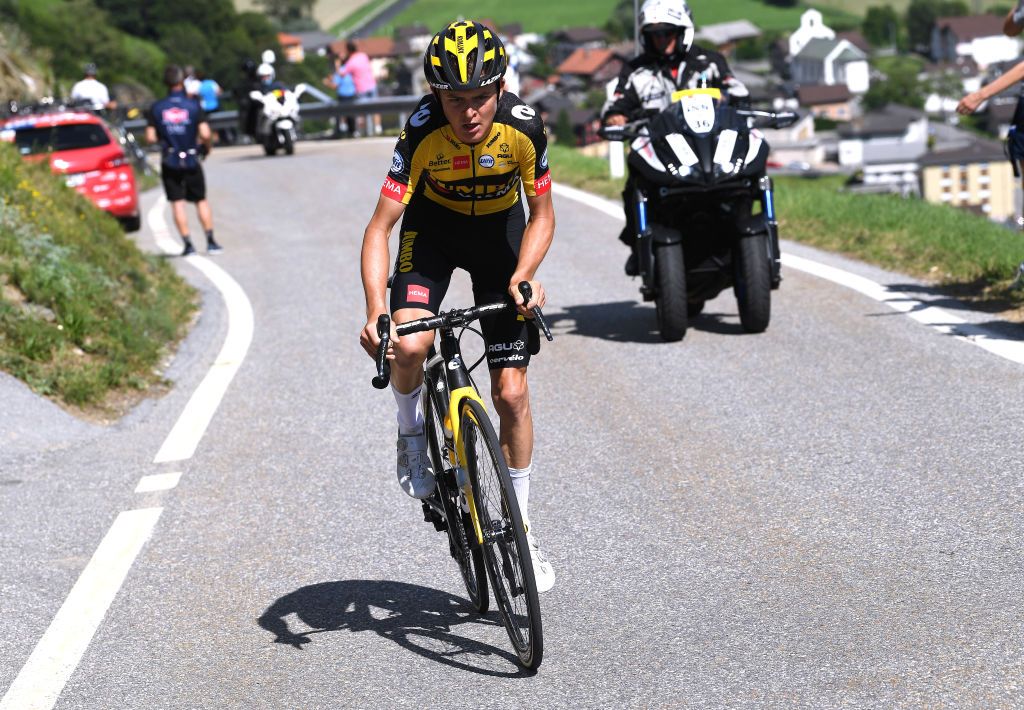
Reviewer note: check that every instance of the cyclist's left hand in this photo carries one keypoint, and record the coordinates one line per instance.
(539, 297)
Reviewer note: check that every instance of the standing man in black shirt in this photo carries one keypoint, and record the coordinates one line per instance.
(180, 126)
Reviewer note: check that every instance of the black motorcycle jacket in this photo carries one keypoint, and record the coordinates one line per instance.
(646, 84)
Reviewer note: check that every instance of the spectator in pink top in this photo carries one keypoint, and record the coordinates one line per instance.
(357, 65)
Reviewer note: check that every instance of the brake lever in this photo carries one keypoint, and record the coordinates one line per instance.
(383, 377)
(527, 293)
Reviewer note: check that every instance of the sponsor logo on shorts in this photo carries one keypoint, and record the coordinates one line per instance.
(508, 358)
(394, 190)
(417, 294)
(405, 251)
(501, 347)
(461, 162)
(486, 161)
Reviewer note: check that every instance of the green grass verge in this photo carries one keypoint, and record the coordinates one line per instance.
(544, 16)
(351, 21)
(971, 256)
(83, 313)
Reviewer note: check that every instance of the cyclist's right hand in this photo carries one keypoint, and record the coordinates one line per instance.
(369, 339)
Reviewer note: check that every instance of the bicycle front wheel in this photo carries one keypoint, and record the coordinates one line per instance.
(467, 555)
(505, 548)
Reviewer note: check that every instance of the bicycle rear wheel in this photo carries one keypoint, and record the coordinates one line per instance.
(505, 549)
(469, 557)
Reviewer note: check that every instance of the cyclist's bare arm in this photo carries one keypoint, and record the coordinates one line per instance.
(375, 261)
(540, 230)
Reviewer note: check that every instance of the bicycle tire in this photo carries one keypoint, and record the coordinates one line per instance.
(469, 558)
(509, 565)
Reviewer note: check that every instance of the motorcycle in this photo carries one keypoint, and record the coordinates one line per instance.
(278, 122)
(698, 167)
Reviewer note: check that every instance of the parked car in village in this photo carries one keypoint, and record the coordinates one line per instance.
(86, 150)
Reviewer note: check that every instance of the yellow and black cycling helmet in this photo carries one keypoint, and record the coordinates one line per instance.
(464, 55)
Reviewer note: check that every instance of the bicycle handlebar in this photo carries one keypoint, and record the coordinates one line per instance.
(453, 318)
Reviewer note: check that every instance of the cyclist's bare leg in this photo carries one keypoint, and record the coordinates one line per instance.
(511, 395)
(410, 352)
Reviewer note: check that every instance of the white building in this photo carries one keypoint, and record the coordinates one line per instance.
(829, 62)
(811, 27)
(894, 135)
(979, 37)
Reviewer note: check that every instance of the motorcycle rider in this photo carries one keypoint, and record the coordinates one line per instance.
(92, 91)
(669, 61)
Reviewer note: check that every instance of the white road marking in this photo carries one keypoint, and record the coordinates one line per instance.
(158, 482)
(43, 677)
(181, 443)
(901, 301)
(58, 652)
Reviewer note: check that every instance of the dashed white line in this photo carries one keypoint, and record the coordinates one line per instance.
(58, 652)
(158, 482)
(901, 301)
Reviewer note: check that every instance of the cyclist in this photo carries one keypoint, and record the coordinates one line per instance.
(669, 61)
(456, 176)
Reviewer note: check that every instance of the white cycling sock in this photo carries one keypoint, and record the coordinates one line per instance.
(410, 411)
(521, 485)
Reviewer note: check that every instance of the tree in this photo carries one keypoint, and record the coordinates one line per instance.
(881, 26)
(922, 14)
(563, 129)
(620, 25)
(899, 85)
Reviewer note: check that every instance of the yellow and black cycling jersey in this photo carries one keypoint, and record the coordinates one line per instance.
(470, 179)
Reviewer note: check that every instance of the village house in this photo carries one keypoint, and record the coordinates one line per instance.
(590, 68)
(565, 42)
(724, 36)
(977, 178)
(812, 26)
(831, 61)
(291, 47)
(824, 101)
(979, 37)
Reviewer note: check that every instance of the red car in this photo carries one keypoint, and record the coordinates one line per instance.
(81, 146)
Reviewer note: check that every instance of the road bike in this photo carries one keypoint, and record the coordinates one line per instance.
(474, 500)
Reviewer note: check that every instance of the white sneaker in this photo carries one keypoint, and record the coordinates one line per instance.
(414, 473)
(543, 572)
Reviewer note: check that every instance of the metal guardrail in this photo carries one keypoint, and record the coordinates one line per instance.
(220, 120)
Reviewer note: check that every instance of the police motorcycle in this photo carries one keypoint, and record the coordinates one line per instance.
(278, 123)
(699, 168)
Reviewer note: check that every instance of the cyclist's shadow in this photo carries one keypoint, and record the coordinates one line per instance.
(417, 618)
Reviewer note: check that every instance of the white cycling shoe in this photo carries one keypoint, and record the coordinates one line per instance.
(414, 473)
(543, 572)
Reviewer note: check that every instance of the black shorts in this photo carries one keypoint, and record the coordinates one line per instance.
(183, 184)
(434, 241)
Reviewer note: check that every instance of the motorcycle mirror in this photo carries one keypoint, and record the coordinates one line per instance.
(300, 87)
(612, 133)
(256, 95)
(786, 119)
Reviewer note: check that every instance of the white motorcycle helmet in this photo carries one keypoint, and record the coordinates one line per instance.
(667, 12)
(265, 71)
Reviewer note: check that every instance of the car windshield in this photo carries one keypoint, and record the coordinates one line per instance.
(70, 136)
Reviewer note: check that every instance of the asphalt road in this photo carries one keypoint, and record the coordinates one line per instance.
(827, 514)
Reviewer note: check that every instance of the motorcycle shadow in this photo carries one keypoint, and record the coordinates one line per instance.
(417, 618)
(633, 322)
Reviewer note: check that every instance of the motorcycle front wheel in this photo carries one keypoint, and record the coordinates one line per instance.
(753, 282)
(670, 303)
(288, 144)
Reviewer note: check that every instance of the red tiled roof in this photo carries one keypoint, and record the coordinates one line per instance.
(285, 40)
(818, 94)
(585, 61)
(373, 46)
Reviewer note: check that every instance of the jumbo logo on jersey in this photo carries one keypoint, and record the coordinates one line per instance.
(486, 161)
(174, 115)
(461, 162)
